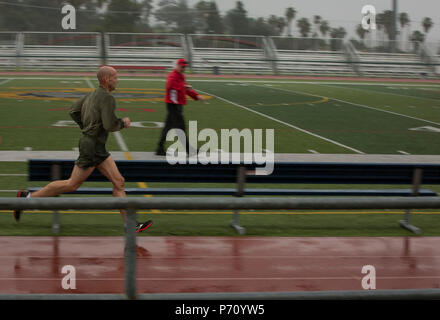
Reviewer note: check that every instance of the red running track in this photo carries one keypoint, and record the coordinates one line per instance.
(219, 264)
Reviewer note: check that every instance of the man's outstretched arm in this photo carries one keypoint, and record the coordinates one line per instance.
(109, 120)
(75, 111)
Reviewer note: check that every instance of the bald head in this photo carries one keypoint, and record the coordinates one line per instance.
(103, 72)
(107, 77)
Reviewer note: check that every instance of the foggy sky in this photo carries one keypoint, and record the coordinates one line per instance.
(345, 13)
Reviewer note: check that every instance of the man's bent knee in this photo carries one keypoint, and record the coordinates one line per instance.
(72, 187)
(119, 183)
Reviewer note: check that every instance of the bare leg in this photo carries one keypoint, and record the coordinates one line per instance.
(109, 169)
(55, 188)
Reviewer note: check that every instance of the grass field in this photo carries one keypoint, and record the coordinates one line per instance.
(325, 117)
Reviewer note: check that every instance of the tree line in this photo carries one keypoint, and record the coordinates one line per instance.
(178, 16)
(384, 21)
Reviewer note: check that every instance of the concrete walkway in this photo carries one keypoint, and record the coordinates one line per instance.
(23, 156)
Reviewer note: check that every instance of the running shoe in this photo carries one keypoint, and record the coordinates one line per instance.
(141, 226)
(20, 194)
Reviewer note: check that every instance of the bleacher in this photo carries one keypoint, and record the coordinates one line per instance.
(58, 50)
(217, 54)
(8, 49)
(144, 51)
(431, 54)
(310, 56)
(379, 58)
(391, 65)
(228, 54)
(300, 62)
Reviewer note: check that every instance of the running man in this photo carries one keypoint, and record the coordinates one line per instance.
(95, 115)
(175, 98)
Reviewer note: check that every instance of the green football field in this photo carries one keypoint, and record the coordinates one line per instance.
(321, 117)
(308, 117)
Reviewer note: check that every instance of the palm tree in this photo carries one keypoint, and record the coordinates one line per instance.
(417, 37)
(304, 27)
(380, 26)
(324, 27)
(279, 23)
(290, 15)
(338, 33)
(427, 24)
(386, 19)
(404, 21)
(317, 21)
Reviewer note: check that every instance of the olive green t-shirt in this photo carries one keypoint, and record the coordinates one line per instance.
(95, 114)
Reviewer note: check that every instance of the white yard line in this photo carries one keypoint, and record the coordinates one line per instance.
(5, 81)
(354, 104)
(403, 152)
(120, 141)
(380, 92)
(90, 84)
(282, 122)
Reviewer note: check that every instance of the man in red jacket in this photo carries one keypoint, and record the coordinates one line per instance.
(175, 98)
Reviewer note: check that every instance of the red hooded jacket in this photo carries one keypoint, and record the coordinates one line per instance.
(175, 89)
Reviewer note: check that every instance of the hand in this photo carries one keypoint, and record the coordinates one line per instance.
(200, 98)
(126, 122)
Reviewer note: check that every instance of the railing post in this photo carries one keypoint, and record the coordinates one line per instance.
(241, 178)
(130, 254)
(417, 180)
(19, 45)
(56, 175)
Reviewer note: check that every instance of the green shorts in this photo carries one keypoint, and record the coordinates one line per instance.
(91, 152)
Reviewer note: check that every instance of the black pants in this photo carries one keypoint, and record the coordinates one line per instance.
(174, 120)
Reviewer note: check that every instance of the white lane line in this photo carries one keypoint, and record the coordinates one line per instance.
(403, 152)
(120, 141)
(374, 91)
(356, 104)
(89, 83)
(5, 81)
(313, 151)
(282, 122)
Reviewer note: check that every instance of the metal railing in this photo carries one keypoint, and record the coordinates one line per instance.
(392, 294)
(221, 203)
(244, 54)
(307, 44)
(52, 50)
